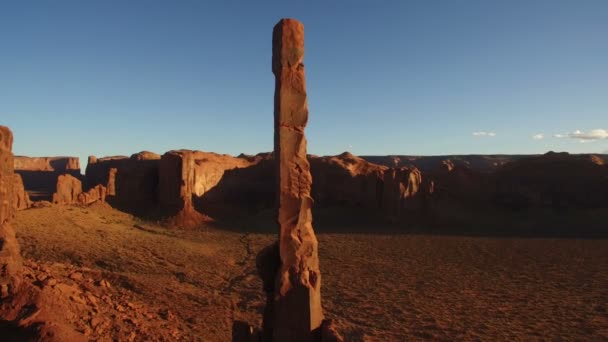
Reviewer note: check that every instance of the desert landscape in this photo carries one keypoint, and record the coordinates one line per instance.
(284, 245)
(427, 251)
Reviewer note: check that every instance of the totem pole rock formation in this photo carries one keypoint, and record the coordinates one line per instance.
(297, 298)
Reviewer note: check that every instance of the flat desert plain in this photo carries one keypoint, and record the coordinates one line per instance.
(134, 280)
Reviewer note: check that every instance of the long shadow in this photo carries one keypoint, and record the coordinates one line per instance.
(349, 220)
(10, 332)
(42, 184)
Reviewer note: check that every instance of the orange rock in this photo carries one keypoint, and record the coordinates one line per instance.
(401, 185)
(21, 199)
(68, 189)
(297, 298)
(10, 258)
(58, 164)
(95, 194)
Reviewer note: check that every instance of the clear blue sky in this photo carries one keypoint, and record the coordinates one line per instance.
(383, 77)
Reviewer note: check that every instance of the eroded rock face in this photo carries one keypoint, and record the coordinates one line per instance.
(58, 164)
(10, 258)
(401, 185)
(39, 174)
(347, 180)
(297, 297)
(553, 180)
(68, 189)
(21, 199)
(175, 187)
(131, 182)
(185, 176)
(95, 194)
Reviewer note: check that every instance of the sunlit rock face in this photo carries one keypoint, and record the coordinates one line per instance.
(10, 259)
(297, 296)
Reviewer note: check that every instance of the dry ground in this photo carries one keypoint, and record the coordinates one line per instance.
(190, 285)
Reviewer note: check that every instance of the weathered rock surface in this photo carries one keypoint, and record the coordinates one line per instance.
(244, 190)
(67, 190)
(131, 182)
(21, 199)
(297, 312)
(95, 194)
(478, 163)
(553, 180)
(58, 164)
(347, 180)
(10, 258)
(401, 184)
(186, 174)
(39, 174)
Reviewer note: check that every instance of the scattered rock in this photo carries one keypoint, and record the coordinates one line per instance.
(77, 276)
(166, 314)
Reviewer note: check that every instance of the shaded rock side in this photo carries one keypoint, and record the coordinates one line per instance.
(175, 187)
(401, 185)
(554, 180)
(297, 297)
(346, 180)
(131, 182)
(21, 199)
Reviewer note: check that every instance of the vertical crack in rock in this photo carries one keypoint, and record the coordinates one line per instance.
(297, 298)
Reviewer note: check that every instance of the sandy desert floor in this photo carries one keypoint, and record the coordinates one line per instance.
(133, 280)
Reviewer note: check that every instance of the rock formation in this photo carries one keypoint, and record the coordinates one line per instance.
(554, 180)
(131, 182)
(296, 314)
(347, 180)
(39, 174)
(175, 188)
(95, 194)
(10, 259)
(401, 184)
(21, 199)
(58, 164)
(27, 312)
(185, 176)
(67, 190)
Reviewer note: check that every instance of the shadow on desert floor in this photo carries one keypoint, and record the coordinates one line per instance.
(341, 221)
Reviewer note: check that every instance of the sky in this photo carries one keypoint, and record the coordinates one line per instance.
(385, 77)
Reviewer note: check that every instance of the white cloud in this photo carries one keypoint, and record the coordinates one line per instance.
(592, 135)
(484, 134)
(539, 136)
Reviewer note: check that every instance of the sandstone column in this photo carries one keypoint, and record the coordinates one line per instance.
(10, 257)
(297, 294)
